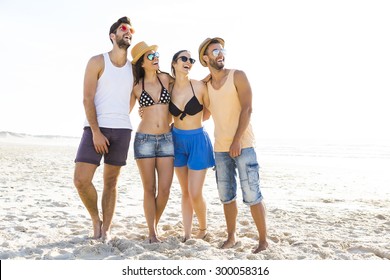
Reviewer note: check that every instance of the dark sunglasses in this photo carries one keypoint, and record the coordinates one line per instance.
(124, 28)
(153, 55)
(184, 59)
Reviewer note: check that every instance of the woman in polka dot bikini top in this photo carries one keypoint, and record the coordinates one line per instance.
(146, 100)
(153, 144)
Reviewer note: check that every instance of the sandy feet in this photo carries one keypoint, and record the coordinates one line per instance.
(230, 243)
(97, 229)
(154, 239)
(185, 238)
(263, 245)
(106, 236)
(99, 233)
(202, 234)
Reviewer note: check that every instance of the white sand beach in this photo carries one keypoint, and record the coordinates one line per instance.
(324, 202)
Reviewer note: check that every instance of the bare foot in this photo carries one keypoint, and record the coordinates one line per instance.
(106, 237)
(97, 229)
(201, 233)
(263, 245)
(154, 239)
(228, 243)
(185, 238)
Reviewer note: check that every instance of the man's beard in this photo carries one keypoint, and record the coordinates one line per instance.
(123, 44)
(217, 66)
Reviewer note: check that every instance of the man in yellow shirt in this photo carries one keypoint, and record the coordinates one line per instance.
(230, 104)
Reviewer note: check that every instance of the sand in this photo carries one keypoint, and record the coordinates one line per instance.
(324, 202)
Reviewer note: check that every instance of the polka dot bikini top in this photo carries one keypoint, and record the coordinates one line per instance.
(146, 100)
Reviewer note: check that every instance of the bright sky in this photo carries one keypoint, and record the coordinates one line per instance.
(317, 68)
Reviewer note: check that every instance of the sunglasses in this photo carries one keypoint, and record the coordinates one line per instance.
(153, 55)
(217, 52)
(124, 28)
(184, 59)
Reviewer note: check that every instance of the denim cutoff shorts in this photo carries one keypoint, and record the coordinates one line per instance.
(118, 149)
(248, 172)
(153, 145)
(193, 149)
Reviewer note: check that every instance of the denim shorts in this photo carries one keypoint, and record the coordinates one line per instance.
(248, 171)
(118, 149)
(153, 145)
(193, 149)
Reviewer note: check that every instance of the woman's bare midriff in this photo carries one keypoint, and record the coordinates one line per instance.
(155, 120)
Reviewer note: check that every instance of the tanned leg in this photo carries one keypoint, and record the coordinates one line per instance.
(109, 197)
(231, 212)
(186, 205)
(147, 168)
(83, 176)
(195, 186)
(259, 216)
(165, 177)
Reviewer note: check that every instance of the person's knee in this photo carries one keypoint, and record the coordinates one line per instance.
(196, 196)
(164, 191)
(110, 182)
(185, 195)
(81, 182)
(149, 189)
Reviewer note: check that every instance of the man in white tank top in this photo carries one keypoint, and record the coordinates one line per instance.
(230, 104)
(108, 83)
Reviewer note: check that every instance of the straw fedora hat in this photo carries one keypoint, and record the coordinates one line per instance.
(140, 49)
(203, 46)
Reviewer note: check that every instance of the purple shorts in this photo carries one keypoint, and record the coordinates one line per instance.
(117, 151)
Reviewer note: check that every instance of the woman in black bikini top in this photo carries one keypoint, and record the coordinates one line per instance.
(193, 148)
(191, 108)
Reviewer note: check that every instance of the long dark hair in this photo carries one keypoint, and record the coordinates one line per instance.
(139, 71)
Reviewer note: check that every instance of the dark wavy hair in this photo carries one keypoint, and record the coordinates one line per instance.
(139, 71)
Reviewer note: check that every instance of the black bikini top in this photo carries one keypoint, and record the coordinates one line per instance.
(192, 107)
(145, 100)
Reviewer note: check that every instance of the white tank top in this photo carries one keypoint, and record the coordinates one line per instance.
(112, 99)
